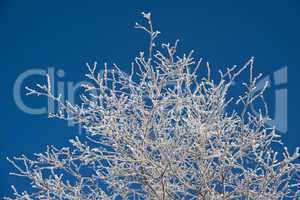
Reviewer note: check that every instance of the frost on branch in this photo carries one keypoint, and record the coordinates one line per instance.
(163, 132)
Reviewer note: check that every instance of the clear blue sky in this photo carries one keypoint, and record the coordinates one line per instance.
(67, 34)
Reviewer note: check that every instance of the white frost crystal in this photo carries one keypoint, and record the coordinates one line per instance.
(162, 132)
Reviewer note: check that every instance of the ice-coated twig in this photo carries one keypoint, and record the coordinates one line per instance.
(163, 133)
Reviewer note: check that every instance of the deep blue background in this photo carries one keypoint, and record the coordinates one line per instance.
(67, 34)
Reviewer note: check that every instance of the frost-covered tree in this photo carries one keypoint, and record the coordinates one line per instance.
(163, 132)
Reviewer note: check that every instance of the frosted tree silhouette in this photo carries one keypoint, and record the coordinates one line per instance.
(163, 132)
